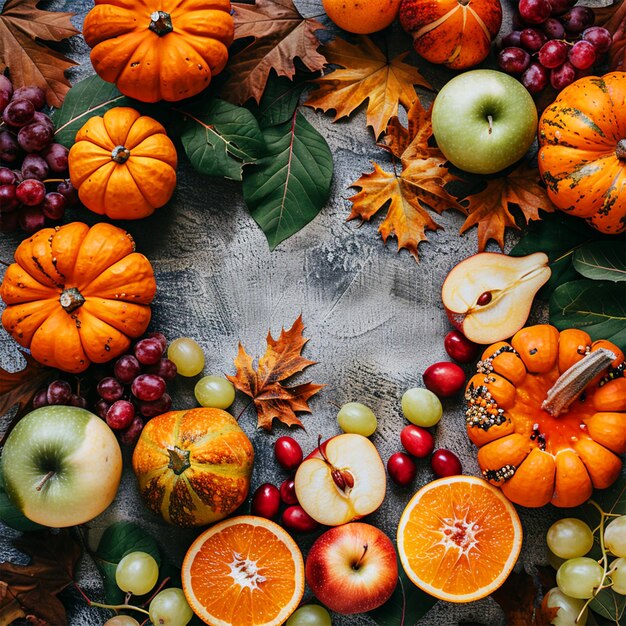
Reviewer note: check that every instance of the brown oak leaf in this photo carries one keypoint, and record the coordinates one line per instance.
(265, 385)
(23, 27)
(367, 74)
(491, 208)
(420, 184)
(280, 35)
(30, 590)
(613, 18)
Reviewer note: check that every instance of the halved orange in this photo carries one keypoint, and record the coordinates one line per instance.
(244, 571)
(459, 538)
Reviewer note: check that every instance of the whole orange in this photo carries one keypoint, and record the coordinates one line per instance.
(362, 16)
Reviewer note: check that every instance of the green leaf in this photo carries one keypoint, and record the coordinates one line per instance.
(407, 604)
(219, 137)
(609, 604)
(602, 260)
(597, 307)
(280, 98)
(89, 97)
(118, 540)
(11, 515)
(287, 188)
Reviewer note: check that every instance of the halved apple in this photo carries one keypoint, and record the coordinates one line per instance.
(488, 295)
(343, 480)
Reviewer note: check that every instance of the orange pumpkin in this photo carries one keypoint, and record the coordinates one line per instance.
(582, 156)
(76, 295)
(193, 466)
(455, 33)
(123, 164)
(548, 411)
(159, 49)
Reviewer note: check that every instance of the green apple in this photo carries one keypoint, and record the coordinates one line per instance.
(484, 121)
(61, 466)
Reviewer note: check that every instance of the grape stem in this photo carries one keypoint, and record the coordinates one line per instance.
(112, 607)
(158, 589)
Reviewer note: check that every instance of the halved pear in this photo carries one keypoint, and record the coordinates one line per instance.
(488, 295)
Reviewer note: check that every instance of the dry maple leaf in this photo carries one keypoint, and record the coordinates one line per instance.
(421, 182)
(280, 35)
(367, 74)
(613, 18)
(491, 209)
(281, 360)
(22, 28)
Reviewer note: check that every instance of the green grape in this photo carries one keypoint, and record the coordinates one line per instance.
(615, 536)
(578, 577)
(121, 620)
(170, 608)
(618, 575)
(355, 417)
(310, 615)
(187, 355)
(568, 608)
(214, 392)
(137, 573)
(421, 407)
(569, 538)
(554, 560)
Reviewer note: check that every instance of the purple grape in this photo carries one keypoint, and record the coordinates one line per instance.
(561, 6)
(120, 414)
(162, 339)
(577, 19)
(9, 148)
(512, 40)
(36, 95)
(8, 199)
(66, 189)
(41, 397)
(101, 407)
(18, 113)
(562, 76)
(34, 137)
(513, 60)
(553, 53)
(56, 157)
(42, 118)
(165, 368)
(58, 392)
(553, 28)
(31, 219)
(78, 401)
(535, 78)
(129, 436)
(532, 39)
(126, 369)
(30, 192)
(34, 166)
(535, 11)
(110, 389)
(600, 38)
(582, 55)
(148, 387)
(7, 177)
(156, 407)
(53, 206)
(148, 351)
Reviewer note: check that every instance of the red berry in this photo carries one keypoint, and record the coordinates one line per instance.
(288, 453)
(444, 379)
(460, 348)
(445, 463)
(417, 441)
(288, 492)
(266, 501)
(401, 468)
(296, 519)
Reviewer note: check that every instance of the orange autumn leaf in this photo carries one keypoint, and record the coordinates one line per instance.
(265, 385)
(490, 209)
(366, 74)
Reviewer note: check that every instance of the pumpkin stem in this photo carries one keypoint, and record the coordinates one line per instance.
(70, 299)
(620, 150)
(179, 460)
(120, 154)
(572, 382)
(161, 23)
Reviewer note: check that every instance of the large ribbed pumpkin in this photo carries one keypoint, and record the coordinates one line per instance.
(548, 411)
(123, 164)
(193, 466)
(582, 158)
(159, 49)
(77, 295)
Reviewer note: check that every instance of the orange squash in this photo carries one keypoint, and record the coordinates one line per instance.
(455, 33)
(159, 49)
(123, 164)
(582, 156)
(548, 412)
(193, 466)
(77, 295)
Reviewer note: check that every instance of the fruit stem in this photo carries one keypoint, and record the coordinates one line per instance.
(112, 607)
(572, 382)
(45, 479)
(161, 23)
(120, 154)
(358, 563)
(158, 589)
(179, 460)
(490, 120)
(70, 299)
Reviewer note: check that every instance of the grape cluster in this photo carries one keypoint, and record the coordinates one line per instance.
(28, 157)
(554, 43)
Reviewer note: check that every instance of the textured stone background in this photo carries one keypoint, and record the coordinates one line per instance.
(374, 319)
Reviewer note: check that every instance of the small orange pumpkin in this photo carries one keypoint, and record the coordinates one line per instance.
(76, 295)
(123, 164)
(159, 49)
(548, 412)
(455, 33)
(582, 156)
(193, 466)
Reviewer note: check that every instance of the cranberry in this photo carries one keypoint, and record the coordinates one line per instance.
(401, 468)
(444, 379)
(417, 441)
(296, 519)
(460, 348)
(288, 492)
(445, 463)
(266, 501)
(288, 453)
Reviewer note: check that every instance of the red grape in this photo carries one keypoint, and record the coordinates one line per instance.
(79, 401)
(42, 118)
(148, 387)
(7, 176)
(148, 351)
(101, 407)
(534, 11)
(417, 441)
(445, 463)
(265, 501)
(562, 76)
(59, 392)
(34, 94)
(8, 199)
(41, 397)
(130, 434)
(67, 190)
(34, 137)
(553, 54)
(288, 453)
(402, 469)
(110, 389)
(120, 414)
(156, 407)
(600, 38)
(160, 337)
(460, 348)
(512, 40)
(126, 369)
(532, 39)
(553, 28)
(31, 219)
(18, 113)
(9, 148)
(513, 60)
(165, 368)
(577, 19)
(34, 166)
(582, 55)
(56, 157)
(6, 86)
(444, 379)
(288, 491)
(535, 78)
(53, 206)
(561, 6)
(296, 519)
(31, 192)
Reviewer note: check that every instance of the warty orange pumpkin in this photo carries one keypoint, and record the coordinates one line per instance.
(123, 164)
(159, 49)
(582, 155)
(548, 412)
(194, 466)
(77, 295)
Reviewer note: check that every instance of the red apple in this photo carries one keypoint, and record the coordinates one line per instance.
(352, 568)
